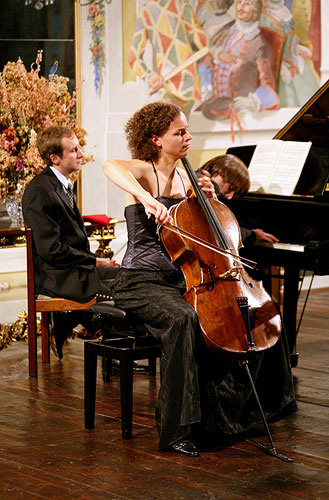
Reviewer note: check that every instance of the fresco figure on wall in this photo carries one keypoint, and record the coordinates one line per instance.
(175, 35)
(213, 16)
(240, 68)
(307, 18)
(298, 80)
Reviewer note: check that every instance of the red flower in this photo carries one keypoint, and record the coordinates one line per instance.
(93, 9)
(9, 139)
(96, 50)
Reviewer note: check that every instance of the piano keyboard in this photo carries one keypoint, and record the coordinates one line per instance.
(289, 247)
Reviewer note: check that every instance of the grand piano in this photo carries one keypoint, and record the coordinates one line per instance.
(300, 221)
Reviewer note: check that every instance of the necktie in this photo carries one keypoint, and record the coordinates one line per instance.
(69, 193)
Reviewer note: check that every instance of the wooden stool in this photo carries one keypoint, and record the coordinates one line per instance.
(129, 345)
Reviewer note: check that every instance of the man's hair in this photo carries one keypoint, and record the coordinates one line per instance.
(49, 141)
(232, 170)
(153, 119)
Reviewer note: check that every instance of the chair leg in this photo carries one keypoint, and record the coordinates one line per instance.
(90, 373)
(126, 391)
(107, 369)
(106, 362)
(45, 350)
(32, 344)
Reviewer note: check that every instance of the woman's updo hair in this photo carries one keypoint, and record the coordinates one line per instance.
(153, 119)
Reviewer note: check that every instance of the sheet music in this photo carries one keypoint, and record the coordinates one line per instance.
(261, 164)
(276, 166)
(288, 167)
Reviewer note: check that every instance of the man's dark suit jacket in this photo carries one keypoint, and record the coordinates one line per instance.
(64, 265)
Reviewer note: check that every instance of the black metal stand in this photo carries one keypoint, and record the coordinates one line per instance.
(244, 308)
(270, 450)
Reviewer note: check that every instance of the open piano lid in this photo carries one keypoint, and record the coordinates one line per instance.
(311, 123)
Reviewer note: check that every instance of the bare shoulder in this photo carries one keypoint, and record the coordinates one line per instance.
(139, 168)
(143, 173)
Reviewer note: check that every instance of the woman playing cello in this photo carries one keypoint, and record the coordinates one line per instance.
(196, 397)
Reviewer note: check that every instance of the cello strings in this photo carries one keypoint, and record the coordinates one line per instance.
(242, 260)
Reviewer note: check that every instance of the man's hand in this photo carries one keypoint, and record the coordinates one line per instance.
(155, 83)
(244, 104)
(106, 262)
(262, 236)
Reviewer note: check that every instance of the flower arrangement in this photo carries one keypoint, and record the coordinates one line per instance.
(96, 19)
(28, 103)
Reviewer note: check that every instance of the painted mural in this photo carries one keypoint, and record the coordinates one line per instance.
(226, 58)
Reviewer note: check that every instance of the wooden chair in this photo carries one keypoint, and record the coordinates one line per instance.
(44, 306)
(127, 343)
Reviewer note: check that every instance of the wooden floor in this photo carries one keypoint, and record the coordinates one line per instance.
(45, 452)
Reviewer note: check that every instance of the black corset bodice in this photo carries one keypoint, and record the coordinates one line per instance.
(145, 250)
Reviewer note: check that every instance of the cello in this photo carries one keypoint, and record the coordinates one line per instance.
(238, 318)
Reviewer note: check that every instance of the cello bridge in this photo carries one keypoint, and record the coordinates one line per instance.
(232, 273)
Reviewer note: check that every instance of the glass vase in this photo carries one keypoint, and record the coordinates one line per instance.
(14, 211)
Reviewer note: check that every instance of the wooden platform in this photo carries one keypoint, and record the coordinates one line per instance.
(45, 452)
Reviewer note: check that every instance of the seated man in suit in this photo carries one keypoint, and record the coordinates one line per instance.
(230, 176)
(64, 265)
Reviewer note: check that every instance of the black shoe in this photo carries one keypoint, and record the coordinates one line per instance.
(59, 346)
(185, 447)
(56, 343)
(63, 323)
(53, 342)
